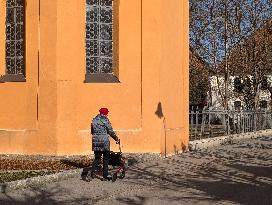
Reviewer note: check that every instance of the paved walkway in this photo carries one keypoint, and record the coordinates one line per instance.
(238, 173)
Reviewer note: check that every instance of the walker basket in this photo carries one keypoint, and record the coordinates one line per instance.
(115, 159)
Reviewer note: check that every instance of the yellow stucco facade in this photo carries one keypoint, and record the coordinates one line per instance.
(50, 113)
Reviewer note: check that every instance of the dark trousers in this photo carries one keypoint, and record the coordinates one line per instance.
(97, 160)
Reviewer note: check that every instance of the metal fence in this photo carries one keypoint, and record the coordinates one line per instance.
(213, 123)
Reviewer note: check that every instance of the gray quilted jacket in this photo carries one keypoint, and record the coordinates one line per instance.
(101, 129)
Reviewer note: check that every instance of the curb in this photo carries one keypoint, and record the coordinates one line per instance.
(217, 141)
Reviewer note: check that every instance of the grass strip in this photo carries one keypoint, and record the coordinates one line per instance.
(19, 175)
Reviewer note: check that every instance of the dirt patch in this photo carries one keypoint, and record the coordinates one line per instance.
(18, 167)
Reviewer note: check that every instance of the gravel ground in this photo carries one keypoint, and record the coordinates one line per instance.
(239, 173)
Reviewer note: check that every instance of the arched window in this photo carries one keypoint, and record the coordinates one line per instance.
(13, 25)
(99, 37)
(15, 37)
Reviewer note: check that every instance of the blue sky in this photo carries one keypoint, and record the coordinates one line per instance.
(215, 32)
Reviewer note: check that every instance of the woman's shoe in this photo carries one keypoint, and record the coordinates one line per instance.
(89, 177)
(108, 178)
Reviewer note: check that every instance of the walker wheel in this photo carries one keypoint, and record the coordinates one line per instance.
(114, 177)
(122, 175)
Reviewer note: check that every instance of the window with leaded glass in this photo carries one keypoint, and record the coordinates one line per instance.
(15, 37)
(99, 36)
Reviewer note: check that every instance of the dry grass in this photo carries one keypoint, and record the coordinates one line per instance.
(9, 176)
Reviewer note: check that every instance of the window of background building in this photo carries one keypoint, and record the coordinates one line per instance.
(238, 85)
(99, 41)
(263, 104)
(15, 41)
(264, 83)
(237, 105)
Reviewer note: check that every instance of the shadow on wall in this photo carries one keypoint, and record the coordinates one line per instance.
(160, 115)
(183, 148)
(159, 112)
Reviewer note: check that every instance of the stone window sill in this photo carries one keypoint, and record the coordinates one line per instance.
(101, 78)
(12, 78)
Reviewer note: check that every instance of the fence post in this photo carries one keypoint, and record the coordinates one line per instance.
(252, 122)
(238, 127)
(196, 122)
(210, 129)
(249, 122)
(255, 121)
(269, 117)
(192, 121)
(246, 122)
(228, 121)
(197, 115)
(265, 116)
(203, 122)
(243, 121)
(224, 122)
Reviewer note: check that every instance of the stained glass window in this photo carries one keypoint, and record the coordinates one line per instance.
(15, 22)
(99, 42)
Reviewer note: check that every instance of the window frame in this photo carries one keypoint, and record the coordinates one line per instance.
(107, 77)
(16, 77)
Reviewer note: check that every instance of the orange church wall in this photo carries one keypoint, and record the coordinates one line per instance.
(174, 73)
(18, 100)
(54, 106)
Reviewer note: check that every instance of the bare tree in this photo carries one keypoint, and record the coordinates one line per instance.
(229, 35)
(252, 56)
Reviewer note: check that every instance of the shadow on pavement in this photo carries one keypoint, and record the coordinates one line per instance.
(232, 174)
(39, 196)
(233, 177)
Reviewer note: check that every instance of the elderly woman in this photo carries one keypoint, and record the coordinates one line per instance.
(101, 129)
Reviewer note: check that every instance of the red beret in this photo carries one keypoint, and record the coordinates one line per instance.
(104, 111)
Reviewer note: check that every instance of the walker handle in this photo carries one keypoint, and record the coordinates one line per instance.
(118, 142)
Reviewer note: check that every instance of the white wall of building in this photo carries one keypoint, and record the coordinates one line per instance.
(217, 85)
